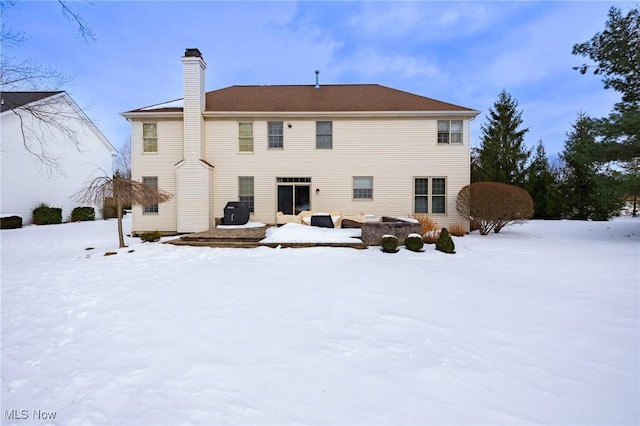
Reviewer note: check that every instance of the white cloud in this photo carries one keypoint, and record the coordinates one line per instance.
(372, 64)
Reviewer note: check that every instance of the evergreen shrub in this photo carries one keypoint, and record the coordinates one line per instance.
(11, 222)
(45, 215)
(389, 243)
(150, 237)
(445, 242)
(83, 214)
(414, 242)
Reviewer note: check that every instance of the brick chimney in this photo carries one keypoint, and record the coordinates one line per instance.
(194, 104)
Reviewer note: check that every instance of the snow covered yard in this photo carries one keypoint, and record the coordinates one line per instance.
(537, 324)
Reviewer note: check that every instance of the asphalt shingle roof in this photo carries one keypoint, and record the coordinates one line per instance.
(326, 98)
(12, 100)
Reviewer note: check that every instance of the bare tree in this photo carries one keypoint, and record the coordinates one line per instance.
(49, 115)
(123, 160)
(124, 191)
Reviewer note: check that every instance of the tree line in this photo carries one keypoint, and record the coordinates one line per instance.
(599, 167)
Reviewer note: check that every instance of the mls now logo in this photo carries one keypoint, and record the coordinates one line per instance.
(26, 414)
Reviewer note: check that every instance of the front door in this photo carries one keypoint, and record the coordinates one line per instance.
(294, 198)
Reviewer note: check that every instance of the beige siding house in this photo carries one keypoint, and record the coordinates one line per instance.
(362, 150)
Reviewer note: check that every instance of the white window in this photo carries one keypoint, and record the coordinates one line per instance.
(449, 131)
(324, 135)
(245, 137)
(421, 195)
(276, 139)
(149, 137)
(245, 191)
(363, 187)
(151, 181)
(429, 195)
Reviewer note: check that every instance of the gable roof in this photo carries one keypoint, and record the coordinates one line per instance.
(15, 100)
(307, 98)
(11, 100)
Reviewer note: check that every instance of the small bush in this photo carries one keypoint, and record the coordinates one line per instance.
(109, 212)
(457, 230)
(426, 223)
(445, 242)
(80, 214)
(150, 237)
(494, 205)
(11, 222)
(45, 215)
(431, 237)
(389, 243)
(414, 242)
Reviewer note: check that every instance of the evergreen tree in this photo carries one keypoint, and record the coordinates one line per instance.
(590, 191)
(502, 156)
(542, 184)
(615, 53)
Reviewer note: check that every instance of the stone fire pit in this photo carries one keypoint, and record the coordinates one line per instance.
(372, 232)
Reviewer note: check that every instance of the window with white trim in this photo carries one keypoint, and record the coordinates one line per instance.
(450, 131)
(245, 192)
(149, 137)
(151, 181)
(245, 137)
(324, 135)
(421, 195)
(276, 138)
(430, 195)
(363, 187)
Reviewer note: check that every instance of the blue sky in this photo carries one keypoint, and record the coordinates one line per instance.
(459, 52)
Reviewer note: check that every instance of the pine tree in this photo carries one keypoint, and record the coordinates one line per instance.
(502, 156)
(543, 186)
(590, 191)
(615, 53)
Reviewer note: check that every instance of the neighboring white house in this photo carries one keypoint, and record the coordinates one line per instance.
(47, 126)
(354, 148)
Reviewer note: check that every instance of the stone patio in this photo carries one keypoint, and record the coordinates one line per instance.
(245, 238)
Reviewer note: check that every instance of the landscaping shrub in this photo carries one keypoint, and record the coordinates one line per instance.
(431, 237)
(494, 205)
(426, 223)
(445, 242)
(11, 222)
(109, 212)
(45, 215)
(150, 237)
(83, 214)
(414, 242)
(389, 243)
(457, 230)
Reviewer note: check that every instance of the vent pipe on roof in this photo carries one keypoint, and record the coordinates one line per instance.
(317, 79)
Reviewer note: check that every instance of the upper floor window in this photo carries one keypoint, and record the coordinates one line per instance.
(449, 131)
(324, 135)
(149, 137)
(363, 187)
(276, 139)
(245, 137)
(151, 181)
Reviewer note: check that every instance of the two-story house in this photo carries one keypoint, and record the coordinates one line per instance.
(351, 148)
